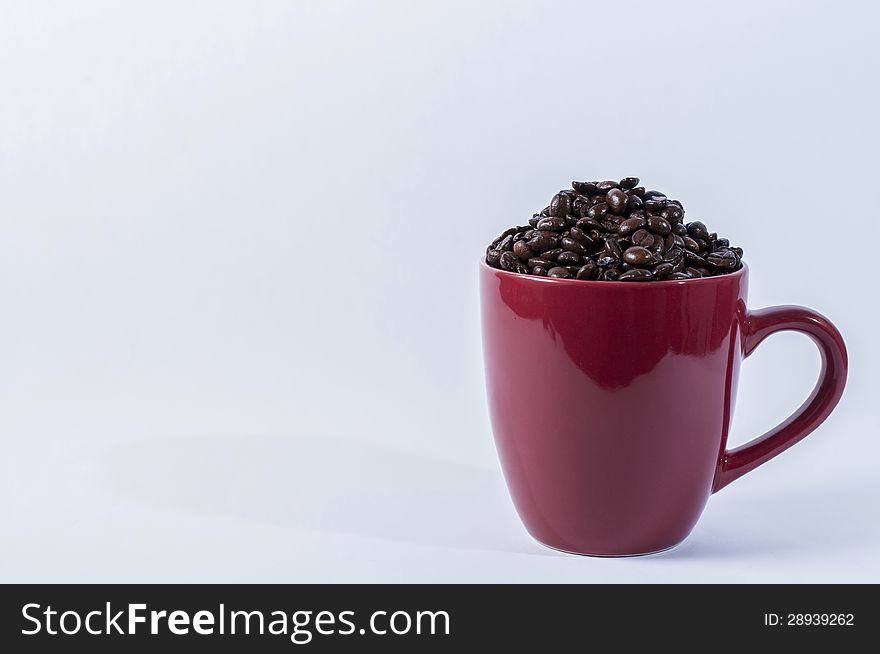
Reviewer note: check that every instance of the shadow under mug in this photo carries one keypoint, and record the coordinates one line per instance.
(611, 401)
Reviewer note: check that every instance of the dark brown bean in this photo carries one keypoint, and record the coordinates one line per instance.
(508, 261)
(607, 185)
(629, 182)
(541, 271)
(662, 270)
(542, 241)
(568, 259)
(616, 200)
(697, 229)
(560, 205)
(585, 187)
(630, 225)
(493, 258)
(539, 261)
(587, 271)
(522, 251)
(636, 275)
(597, 211)
(552, 224)
(643, 238)
(572, 246)
(559, 272)
(659, 225)
(637, 256)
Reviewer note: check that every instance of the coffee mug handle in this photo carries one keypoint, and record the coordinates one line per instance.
(759, 324)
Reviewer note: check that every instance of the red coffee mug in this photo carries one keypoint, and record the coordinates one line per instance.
(611, 401)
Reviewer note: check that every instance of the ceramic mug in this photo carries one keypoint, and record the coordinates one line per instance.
(611, 402)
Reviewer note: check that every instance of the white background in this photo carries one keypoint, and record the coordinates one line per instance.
(238, 261)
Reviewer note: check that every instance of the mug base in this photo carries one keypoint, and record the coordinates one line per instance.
(609, 556)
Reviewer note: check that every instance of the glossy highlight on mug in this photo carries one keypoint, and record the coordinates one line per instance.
(611, 402)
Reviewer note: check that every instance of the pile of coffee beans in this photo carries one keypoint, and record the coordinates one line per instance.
(613, 231)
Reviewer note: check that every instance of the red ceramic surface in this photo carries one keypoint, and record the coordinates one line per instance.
(611, 401)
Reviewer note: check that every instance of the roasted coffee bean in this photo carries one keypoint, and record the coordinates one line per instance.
(611, 275)
(659, 225)
(612, 247)
(662, 270)
(597, 211)
(539, 261)
(637, 256)
(542, 241)
(572, 246)
(630, 225)
(723, 260)
(643, 238)
(690, 244)
(508, 261)
(672, 213)
(616, 200)
(609, 230)
(588, 224)
(587, 271)
(560, 205)
(694, 259)
(633, 203)
(585, 187)
(552, 224)
(636, 275)
(559, 272)
(568, 259)
(580, 236)
(522, 251)
(697, 229)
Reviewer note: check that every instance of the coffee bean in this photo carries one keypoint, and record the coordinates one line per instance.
(637, 256)
(560, 205)
(522, 251)
(508, 261)
(580, 236)
(539, 261)
(542, 242)
(697, 229)
(609, 230)
(559, 272)
(636, 275)
(672, 213)
(662, 270)
(568, 259)
(572, 246)
(630, 225)
(552, 223)
(659, 225)
(723, 260)
(643, 238)
(585, 187)
(587, 271)
(633, 203)
(616, 200)
(597, 211)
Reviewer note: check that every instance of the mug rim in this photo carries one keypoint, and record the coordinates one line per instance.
(593, 282)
